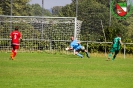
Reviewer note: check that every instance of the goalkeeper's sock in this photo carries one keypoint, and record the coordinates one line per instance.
(87, 54)
(80, 55)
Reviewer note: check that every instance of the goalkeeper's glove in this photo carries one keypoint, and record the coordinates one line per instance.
(67, 48)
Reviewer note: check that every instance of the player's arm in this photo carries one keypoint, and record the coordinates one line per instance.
(21, 40)
(10, 35)
(120, 42)
(78, 42)
(69, 48)
(20, 37)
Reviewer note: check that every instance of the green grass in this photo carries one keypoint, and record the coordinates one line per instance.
(43, 70)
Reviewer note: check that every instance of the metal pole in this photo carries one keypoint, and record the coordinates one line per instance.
(75, 32)
(11, 16)
(124, 51)
(104, 37)
(110, 13)
(42, 7)
(87, 46)
(76, 8)
(11, 7)
(42, 17)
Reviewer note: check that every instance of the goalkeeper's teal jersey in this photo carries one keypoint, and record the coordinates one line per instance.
(116, 42)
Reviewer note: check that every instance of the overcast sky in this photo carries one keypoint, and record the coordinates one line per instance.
(48, 4)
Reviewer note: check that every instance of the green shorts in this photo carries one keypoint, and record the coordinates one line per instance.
(115, 49)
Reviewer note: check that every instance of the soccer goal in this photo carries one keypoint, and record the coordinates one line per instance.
(39, 33)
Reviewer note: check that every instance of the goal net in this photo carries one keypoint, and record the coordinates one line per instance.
(39, 33)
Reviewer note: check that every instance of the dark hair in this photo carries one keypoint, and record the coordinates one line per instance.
(119, 35)
(16, 28)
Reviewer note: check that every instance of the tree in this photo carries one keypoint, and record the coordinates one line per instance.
(18, 7)
(92, 12)
(37, 10)
(21, 8)
(129, 30)
(1, 12)
(56, 10)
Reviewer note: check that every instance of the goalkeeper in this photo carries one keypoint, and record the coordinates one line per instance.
(74, 45)
(115, 47)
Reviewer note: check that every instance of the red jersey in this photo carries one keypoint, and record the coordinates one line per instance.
(15, 36)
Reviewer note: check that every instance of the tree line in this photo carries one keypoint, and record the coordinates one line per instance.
(22, 8)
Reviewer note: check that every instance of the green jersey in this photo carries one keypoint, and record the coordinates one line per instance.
(116, 42)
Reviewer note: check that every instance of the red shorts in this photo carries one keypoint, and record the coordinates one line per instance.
(15, 47)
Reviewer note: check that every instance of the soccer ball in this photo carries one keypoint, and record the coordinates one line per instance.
(83, 48)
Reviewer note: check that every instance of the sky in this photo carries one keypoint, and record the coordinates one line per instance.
(48, 4)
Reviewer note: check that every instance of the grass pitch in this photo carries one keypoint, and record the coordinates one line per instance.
(43, 70)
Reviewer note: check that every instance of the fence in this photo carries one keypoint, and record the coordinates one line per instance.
(50, 34)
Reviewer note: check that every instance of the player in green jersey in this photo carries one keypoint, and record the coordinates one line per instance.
(115, 47)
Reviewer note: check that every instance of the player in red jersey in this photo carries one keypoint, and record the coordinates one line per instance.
(15, 42)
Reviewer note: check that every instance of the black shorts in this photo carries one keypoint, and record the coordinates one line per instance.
(80, 50)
